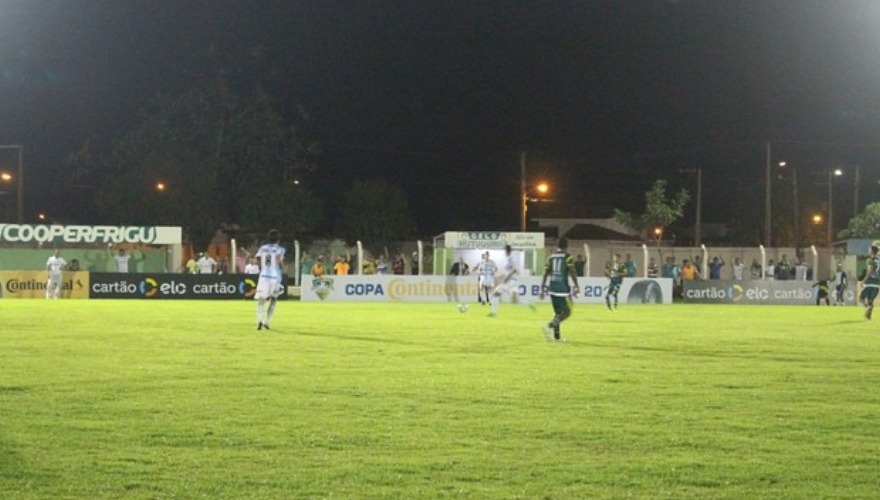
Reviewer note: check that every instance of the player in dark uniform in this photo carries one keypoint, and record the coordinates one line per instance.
(615, 272)
(560, 266)
(871, 285)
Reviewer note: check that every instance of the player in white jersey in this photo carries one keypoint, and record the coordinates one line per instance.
(486, 269)
(509, 277)
(271, 259)
(54, 266)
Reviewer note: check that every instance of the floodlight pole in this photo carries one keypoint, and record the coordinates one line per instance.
(523, 196)
(20, 180)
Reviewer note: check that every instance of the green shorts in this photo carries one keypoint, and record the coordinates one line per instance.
(561, 303)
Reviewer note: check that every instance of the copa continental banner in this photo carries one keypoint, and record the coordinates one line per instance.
(463, 289)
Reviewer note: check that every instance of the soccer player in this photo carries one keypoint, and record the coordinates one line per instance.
(271, 258)
(509, 280)
(615, 272)
(871, 285)
(54, 266)
(560, 266)
(486, 270)
(840, 283)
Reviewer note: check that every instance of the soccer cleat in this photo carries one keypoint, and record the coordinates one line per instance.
(548, 332)
(868, 311)
(559, 339)
(266, 326)
(259, 325)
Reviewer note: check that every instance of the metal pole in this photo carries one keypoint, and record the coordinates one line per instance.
(522, 192)
(856, 192)
(20, 200)
(797, 222)
(767, 194)
(830, 206)
(698, 229)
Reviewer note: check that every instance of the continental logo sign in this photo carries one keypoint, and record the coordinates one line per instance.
(173, 286)
(32, 285)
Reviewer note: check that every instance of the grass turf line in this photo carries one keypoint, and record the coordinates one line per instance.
(158, 399)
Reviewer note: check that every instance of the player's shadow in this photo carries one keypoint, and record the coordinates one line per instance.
(358, 338)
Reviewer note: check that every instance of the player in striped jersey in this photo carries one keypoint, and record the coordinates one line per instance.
(560, 266)
(271, 259)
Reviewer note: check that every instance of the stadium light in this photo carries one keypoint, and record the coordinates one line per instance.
(831, 175)
(160, 186)
(19, 180)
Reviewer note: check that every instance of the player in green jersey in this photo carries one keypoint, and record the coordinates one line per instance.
(615, 271)
(560, 266)
(871, 285)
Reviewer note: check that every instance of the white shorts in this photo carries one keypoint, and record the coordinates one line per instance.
(267, 288)
(509, 285)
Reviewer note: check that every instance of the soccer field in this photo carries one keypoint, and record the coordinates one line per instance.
(185, 399)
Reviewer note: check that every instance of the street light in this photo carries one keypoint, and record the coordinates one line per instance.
(831, 175)
(541, 188)
(19, 180)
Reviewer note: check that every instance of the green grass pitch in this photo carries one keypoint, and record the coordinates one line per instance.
(185, 399)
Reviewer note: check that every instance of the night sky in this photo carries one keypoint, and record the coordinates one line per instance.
(442, 97)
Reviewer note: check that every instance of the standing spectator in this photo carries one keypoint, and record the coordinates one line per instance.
(559, 268)
(739, 269)
(54, 266)
(306, 264)
(121, 259)
(715, 268)
(414, 269)
(341, 267)
(630, 266)
(318, 268)
(369, 266)
(460, 268)
(689, 271)
(840, 283)
(206, 264)
(398, 266)
(756, 269)
(382, 264)
(271, 258)
(783, 268)
(579, 265)
(253, 266)
(653, 268)
(800, 271)
(770, 272)
(242, 259)
(191, 266)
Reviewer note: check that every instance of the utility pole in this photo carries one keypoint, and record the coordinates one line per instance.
(523, 196)
(767, 194)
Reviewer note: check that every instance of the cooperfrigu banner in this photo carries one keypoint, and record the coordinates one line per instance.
(402, 288)
(57, 234)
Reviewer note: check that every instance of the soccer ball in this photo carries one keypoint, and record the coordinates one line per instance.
(462, 308)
